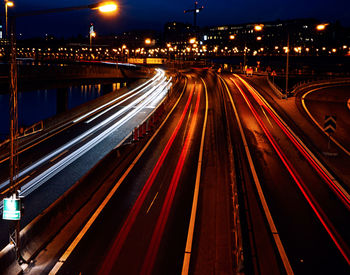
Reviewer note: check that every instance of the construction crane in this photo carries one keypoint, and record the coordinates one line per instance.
(195, 11)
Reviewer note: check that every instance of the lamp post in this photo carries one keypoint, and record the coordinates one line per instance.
(92, 35)
(14, 189)
(287, 63)
(7, 4)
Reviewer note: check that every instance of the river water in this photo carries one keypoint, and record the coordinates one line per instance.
(37, 105)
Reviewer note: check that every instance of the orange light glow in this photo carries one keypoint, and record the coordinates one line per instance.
(321, 27)
(258, 28)
(108, 7)
(9, 3)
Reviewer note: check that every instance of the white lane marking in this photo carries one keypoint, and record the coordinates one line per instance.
(81, 234)
(149, 208)
(266, 116)
(189, 241)
(268, 215)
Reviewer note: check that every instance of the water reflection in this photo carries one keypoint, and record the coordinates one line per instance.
(37, 105)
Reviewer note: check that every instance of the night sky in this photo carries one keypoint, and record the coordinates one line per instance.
(152, 14)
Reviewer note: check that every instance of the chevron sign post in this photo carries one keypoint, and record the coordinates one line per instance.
(330, 125)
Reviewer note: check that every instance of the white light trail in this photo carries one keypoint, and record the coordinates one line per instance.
(152, 95)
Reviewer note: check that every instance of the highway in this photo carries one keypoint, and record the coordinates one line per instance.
(308, 208)
(233, 179)
(58, 159)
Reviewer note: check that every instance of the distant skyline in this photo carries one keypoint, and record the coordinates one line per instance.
(153, 14)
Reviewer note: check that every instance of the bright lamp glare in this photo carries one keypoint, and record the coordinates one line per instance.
(107, 7)
(258, 28)
(321, 27)
(9, 4)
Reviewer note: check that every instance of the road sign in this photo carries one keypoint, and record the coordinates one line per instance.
(330, 124)
(11, 209)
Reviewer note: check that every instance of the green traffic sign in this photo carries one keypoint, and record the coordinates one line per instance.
(11, 209)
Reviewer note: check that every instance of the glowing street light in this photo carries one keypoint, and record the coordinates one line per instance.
(148, 41)
(92, 35)
(232, 37)
(321, 27)
(7, 4)
(258, 28)
(192, 40)
(106, 7)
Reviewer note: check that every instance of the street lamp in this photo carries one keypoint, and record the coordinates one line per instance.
(148, 41)
(192, 40)
(258, 28)
(321, 27)
(107, 7)
(92, 35)
(7, 4)
(101, 6)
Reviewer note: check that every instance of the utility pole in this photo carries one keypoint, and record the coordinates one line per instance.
(195, 11)
(12, 205)
(287, 65)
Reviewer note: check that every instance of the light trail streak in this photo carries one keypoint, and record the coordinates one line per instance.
(270, 221)
(59, 166)
(158, 232)
(332, 183)
(144, 100)
(153, 79)
(188, 248)
(98, 211)
(328, 226)
(123, 233)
